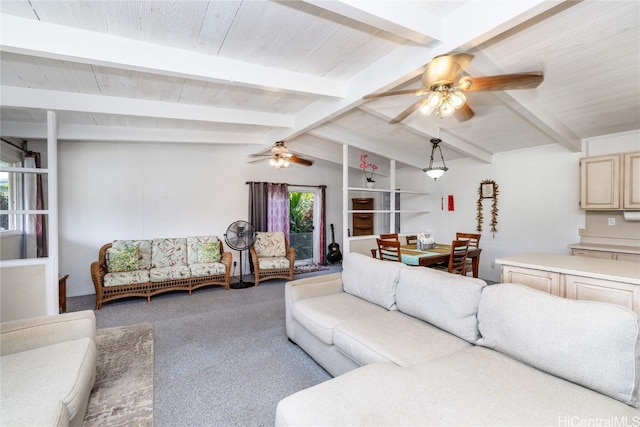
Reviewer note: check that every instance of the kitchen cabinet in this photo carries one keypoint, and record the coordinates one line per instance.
(631, 181)
(362, 221)
(541, 280)
(575, 277)
(617, 253)
(610, 182)
(590, 289)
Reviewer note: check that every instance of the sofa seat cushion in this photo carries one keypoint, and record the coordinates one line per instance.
(168, 252)
(395, 337)
(472, 387)
(270, 263)
(126, 278)
(161, 274)
(321, 315)
(592, 344)
(63, 372)
(208, 269)
(448, 301)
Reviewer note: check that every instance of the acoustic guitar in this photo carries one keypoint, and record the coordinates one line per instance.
(334, 254)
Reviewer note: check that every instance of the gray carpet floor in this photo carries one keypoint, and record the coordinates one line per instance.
(222, 358)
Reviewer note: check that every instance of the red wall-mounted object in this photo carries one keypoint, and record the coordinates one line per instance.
(450, 202)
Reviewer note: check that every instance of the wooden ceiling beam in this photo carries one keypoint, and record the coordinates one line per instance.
(16, 97)
(32, 37)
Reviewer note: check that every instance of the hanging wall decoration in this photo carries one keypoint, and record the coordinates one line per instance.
(488, 189)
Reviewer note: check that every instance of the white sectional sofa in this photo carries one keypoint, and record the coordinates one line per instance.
(48, 368)
(412, 346)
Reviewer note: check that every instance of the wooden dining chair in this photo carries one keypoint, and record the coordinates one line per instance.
(474, 242)
(457, 258)
(389, 250)
(412, 240)
(389, 236)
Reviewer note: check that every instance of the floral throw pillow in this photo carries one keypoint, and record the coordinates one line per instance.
(208, 252)
(123, 259)
(269, 244)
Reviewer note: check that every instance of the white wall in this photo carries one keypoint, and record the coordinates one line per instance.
(537, 202)
(122, 190)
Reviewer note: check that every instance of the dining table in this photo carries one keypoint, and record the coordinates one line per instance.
(439, 254)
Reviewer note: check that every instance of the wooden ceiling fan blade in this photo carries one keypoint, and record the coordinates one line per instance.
(300, 161)
(464, 113)
(416, 92)
(502, 82)
(445, 69)
(413, 107)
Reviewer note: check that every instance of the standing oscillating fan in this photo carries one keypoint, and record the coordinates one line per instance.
(240, 236)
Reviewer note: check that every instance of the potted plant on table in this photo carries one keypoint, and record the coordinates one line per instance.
(368, 169)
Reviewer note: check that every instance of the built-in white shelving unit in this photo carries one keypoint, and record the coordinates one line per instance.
(349, 192)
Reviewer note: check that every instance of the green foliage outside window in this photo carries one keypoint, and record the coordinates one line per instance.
(301, 212)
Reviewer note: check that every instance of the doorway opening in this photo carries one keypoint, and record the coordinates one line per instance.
(303, 225)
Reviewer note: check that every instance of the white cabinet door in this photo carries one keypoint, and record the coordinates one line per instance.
(590, 289)
(600, 182)
(631, 181)
(541, 280)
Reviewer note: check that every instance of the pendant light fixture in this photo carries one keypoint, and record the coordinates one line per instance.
(436, 172)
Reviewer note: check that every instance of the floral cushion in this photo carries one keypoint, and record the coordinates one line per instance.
(208, 252)
(123, 259)
(202, 248)
(170, 252)
(270, 244)
(210, 269)
(144, 251)
(161, 274)
(270, 263)
(126, 278)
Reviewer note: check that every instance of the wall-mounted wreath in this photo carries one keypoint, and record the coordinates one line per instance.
(488, 189)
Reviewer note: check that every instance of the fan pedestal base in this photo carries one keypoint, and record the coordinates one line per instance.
(240, 284)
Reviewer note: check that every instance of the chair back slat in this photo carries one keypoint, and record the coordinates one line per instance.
(389, 250)
(412, 239)
(458, 257)
(389, 236)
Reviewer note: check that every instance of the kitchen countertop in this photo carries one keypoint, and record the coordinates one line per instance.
(606, 248)
(606, 269)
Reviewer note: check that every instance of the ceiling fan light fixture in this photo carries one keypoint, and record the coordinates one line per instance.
(446, 109)
(457, 99)
(436, 172)
(433, 100)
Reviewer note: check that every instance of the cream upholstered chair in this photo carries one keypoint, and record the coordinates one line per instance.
(272, 257)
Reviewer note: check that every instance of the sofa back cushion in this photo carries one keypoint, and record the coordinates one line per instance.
(447, 301)
(270, 244)
(168, 252)
(203, 249)
(371, 279)
(143, 247)
(589, 343)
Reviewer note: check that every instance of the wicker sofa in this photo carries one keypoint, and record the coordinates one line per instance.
(143, 268)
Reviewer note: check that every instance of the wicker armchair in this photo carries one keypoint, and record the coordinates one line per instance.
(272, 257)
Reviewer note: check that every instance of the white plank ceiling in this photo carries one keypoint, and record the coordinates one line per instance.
(254, 72)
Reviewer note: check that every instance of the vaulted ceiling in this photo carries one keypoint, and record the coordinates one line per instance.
(254, 72)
